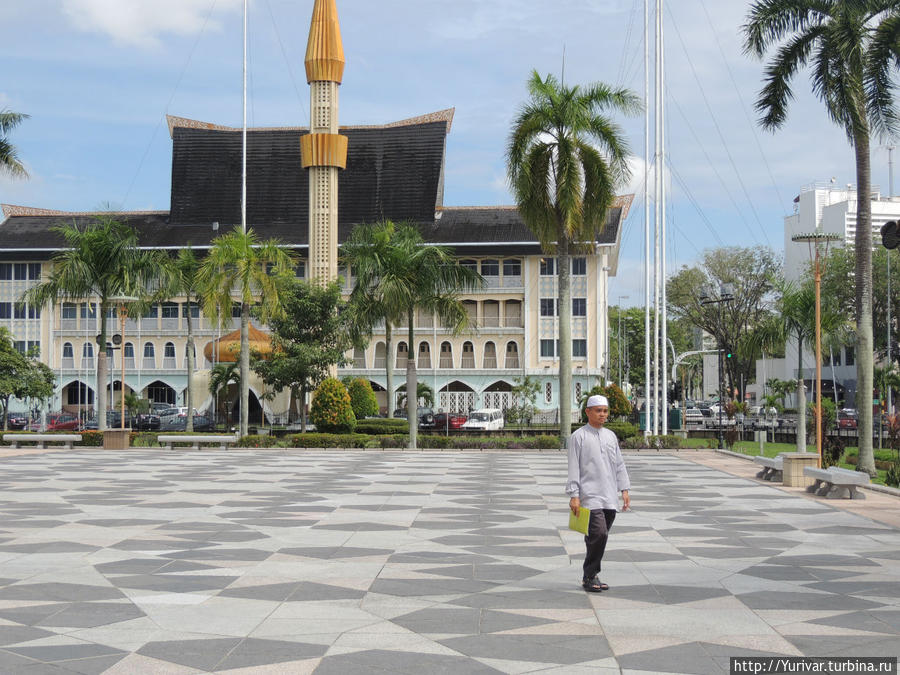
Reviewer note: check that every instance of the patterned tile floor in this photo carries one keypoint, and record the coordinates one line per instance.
(352, 562)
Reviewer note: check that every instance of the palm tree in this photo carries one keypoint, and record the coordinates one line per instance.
(370, 254)
(406, 275)
(9, 157)
(221, 377)
(852, 48)
(564, 185)
(239, 263)
(182, 278)
(101, 260)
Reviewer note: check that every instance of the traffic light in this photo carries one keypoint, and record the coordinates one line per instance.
(727, 353)
(677, 391)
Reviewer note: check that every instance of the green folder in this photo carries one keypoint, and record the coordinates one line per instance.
(580, 523)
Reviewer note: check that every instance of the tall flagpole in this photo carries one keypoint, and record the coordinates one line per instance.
(664, 343)
(656, 230)
(647, 378)
(244, 131)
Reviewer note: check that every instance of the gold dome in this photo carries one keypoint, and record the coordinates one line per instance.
(229, 346)
(324, 49)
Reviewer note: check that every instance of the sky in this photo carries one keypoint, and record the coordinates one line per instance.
(98, 78)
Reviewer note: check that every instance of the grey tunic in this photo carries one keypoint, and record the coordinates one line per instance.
(596, 469)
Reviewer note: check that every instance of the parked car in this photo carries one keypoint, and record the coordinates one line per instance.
(113, 421)
(145, 422)
(179, 423)
(847, 419)
(58, 422)
(763, 411)
(693, 416)
(425, 415)
(15, 422)
(446, 421)
(486, 419)
(157, 408)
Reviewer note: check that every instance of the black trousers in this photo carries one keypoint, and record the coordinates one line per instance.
(595, 540)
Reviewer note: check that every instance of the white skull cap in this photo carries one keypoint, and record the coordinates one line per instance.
(597, 400)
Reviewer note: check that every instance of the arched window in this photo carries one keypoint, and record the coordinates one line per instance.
(424, 355)
(169, 355)
(186, 355)
(471, 308)
(87, 355)
(149, 356)
(468, 355)
(490, 311)
(68, 356)
(359, 357)
(446, 355)
(490, 355)
(512, 312)
(512, 355)
(402, 355)
(380, 355)
(129, 355)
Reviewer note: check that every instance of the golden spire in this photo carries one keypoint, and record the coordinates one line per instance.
(324, 50)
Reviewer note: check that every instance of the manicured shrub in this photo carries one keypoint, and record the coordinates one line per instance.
(381, 426)
(331, 411)
(362, 398)
(619, 405)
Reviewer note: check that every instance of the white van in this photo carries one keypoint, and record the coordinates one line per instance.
(486, 419)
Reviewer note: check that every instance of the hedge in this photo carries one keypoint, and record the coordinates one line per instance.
(382, 426)
(621, 429)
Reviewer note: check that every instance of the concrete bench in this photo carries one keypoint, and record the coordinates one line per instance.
(41, 439)
(772, 467)
(836, 483)
(196, 439)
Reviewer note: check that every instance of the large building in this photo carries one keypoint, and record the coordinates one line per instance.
(394, 171)
(831, 209)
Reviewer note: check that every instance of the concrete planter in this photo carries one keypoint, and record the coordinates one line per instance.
(116, 439)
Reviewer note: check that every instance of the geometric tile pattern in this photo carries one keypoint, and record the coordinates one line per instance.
(369, 562)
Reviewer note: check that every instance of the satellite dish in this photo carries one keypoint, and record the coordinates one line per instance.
(890, 234)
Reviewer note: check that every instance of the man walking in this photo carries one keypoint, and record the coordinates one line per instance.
(596, 476)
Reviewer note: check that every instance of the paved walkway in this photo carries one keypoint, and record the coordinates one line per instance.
(148, 561)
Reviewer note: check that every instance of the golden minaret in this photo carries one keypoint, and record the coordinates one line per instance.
(323, 150)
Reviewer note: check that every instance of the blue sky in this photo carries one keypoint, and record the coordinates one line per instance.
(99, 76)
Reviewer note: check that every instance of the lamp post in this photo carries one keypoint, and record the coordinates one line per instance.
(119, 342)
(726, 294)
(814, 239)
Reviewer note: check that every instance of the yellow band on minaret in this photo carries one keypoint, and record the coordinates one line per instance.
(324, 50)
(323, 150)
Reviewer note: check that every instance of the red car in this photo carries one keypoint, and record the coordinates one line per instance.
(58, 422)
(847, 419)
(448, 421)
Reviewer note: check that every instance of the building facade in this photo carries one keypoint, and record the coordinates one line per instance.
(394, 171)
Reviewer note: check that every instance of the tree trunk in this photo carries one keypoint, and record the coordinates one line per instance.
(801, 399)
(388, 369)
(303, 408)
(864, 340)
(565, 341)
(411, 384)
(245, 366)
(189, 396)
(102, 370)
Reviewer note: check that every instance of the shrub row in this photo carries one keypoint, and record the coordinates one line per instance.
(382, 426)
(621, 429)
(473, 443)
(651, 442)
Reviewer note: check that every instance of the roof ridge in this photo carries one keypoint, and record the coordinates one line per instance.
(445, 115)
(10, 210)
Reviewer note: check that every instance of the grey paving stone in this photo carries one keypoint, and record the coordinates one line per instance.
(52, 653)
(58, 591)
(788, 600)
(335, 552)
(426, 587)
(256, 652)
(686, 658)
(560, 649)
(202, 654)
(175, 583)
(91, 614)
(408, 663)
(12, 634)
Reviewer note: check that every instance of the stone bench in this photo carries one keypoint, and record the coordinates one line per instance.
(41, 439)
(772, 467)
(223, 440)
(836, 483)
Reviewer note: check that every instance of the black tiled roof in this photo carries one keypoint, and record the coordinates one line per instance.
(392, 172)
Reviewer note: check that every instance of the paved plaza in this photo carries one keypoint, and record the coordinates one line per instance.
(147, 561)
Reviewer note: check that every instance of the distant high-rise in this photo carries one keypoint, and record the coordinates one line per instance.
(323, 150)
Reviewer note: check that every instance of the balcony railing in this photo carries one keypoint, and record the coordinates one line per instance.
(446, 362)
(380, 362)
(468, 361)
(87, 363)
(424, 361)
(490, 362)
(148, 363)
(68, 324)
(513, 322)
(68, 363)
(512, 361)
(491, 322)
(169, 363)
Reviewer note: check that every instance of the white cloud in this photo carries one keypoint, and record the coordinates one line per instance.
(141, 23)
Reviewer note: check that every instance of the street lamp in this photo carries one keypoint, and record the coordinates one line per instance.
(120, 344)
(726, 294)
(814, 239)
